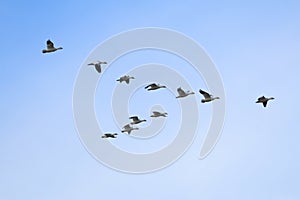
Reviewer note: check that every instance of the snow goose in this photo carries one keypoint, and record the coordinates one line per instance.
(158, 114)
(97, 65)
(125, 78)
(182, 93)
(50, 47)
(127, 128)
(207, 97)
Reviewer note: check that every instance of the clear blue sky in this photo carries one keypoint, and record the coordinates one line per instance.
(255, 46)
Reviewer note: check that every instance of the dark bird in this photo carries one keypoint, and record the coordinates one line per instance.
(136, 120)
(50, 47)
(154, 86)
(264, 100)
(109, 135)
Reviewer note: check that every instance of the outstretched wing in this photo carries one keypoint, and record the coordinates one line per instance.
(205, 94)
(50, 44)
(180, 91)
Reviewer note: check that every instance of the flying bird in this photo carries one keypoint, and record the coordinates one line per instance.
(182, 93)
(136, 120)
(97, 65)
(125, 78)
(50, 47)
(159, 114)
(264, 100)
(207, 97)
(127, 128)
(154, 86)
(109, 135)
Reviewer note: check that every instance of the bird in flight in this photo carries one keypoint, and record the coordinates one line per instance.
(109, 135)
(136, 120)
(50, 47)
(182, 93)
(264, 100)
(159, 114)
(127, 128)
(97, 65)
(154, 86)
(125, 78)
(207, 97)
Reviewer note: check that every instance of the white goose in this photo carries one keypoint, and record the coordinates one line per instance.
(159, 114)
(125, 78)
(50, 47)
(127, 128)
(97, 65)
(182, 93)
(207, 97)
(264, 100)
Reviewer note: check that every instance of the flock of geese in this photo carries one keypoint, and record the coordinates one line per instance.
(153, 86)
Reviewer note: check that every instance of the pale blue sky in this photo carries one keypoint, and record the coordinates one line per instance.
(255, 46)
